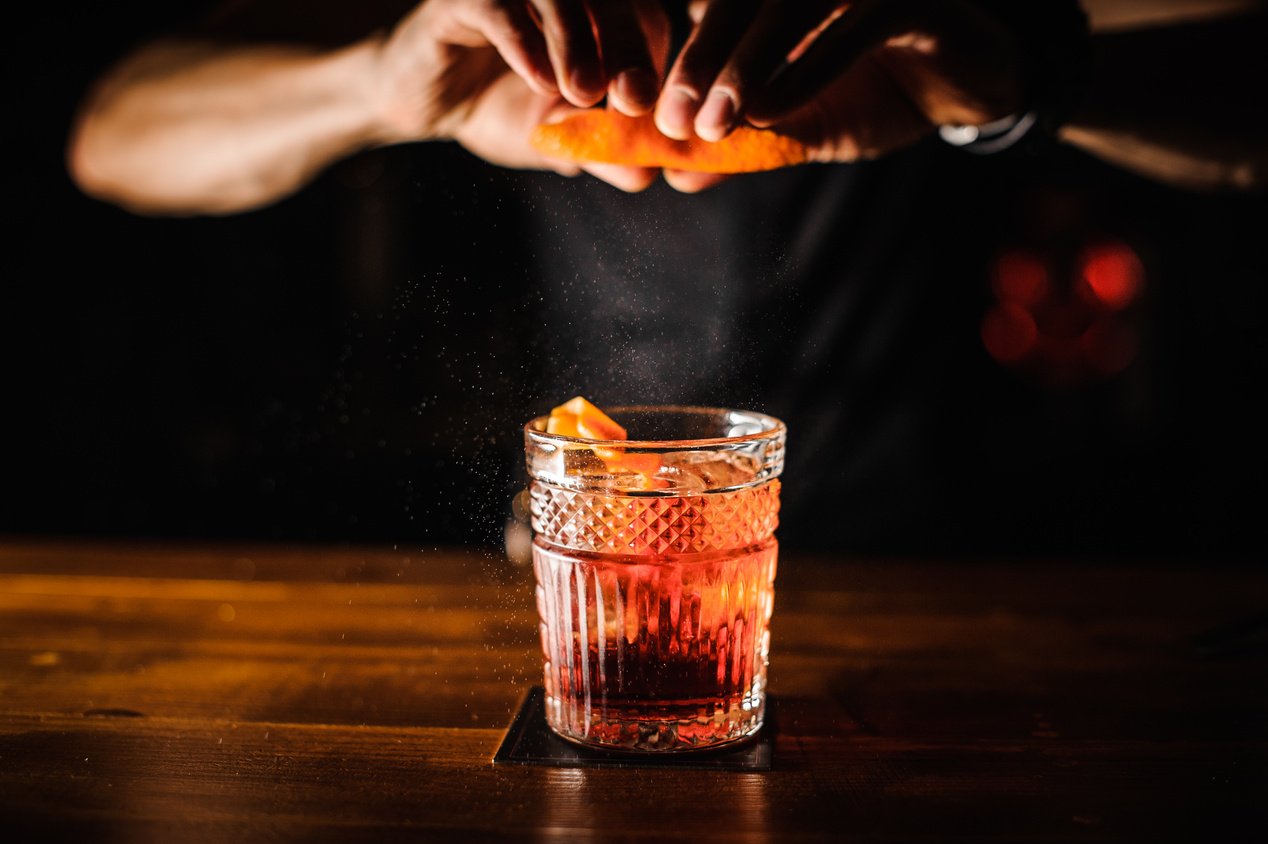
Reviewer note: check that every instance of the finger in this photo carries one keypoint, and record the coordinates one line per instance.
(862, 114)
(776, 33)
(706, 51)
(572, 49)
(501, 120)
(632, 81)
(958, 64)
(562, 166)
(689, 181)
(628, 179)
(507, 25)
(834, 52)
(657, 32)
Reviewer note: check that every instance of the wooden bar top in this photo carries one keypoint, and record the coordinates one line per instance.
(155, 692)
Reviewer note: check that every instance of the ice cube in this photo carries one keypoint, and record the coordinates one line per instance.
(677, 479)
(599, 473)
(699, 470)
(583, 461)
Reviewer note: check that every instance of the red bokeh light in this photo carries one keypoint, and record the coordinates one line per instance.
(1113, 274)
(1020, 277)
(1009, 333)
(1065, 330)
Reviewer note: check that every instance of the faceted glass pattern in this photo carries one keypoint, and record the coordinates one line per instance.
(639, 525)
(655, 656)
(655, 603)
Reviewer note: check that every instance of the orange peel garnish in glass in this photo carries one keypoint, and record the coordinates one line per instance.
(577, 417)
(607, 136)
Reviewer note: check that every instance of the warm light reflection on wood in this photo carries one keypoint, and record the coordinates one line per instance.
(981, 695)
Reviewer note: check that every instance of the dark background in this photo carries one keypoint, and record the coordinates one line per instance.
(354, 363)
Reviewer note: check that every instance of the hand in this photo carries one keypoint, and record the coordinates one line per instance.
(850, 80)
(485, 72)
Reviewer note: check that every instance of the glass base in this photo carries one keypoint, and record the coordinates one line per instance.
(661, 728)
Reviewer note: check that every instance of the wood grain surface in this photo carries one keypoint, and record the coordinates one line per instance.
(158, 693)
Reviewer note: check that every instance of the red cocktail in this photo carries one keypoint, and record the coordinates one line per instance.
(655, 584)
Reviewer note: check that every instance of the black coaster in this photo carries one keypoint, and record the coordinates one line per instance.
(530, 742)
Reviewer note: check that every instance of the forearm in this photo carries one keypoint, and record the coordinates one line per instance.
(1181, 104)
(185, 127)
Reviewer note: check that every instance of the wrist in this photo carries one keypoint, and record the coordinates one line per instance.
(353, 89)
(388, 118)
(1054, 39)
(403, 88)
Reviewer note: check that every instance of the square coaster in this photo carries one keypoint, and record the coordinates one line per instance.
(530, 742)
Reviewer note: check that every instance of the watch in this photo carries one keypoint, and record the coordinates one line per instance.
(1056, 46)
(996, 136)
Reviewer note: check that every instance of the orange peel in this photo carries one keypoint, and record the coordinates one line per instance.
(609, 137)
(577, 417)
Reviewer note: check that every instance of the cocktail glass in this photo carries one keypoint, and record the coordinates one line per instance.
(655, 565)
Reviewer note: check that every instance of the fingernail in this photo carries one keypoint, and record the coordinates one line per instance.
(716, 117)
(587, 84)
(675, 112)
(636, 87)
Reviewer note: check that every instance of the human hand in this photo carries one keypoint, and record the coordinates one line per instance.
(486, 72)
(850, 80)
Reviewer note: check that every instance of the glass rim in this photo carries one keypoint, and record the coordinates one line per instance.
(773, 428)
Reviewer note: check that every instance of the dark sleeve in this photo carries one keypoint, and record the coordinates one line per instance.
(1056, 52)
